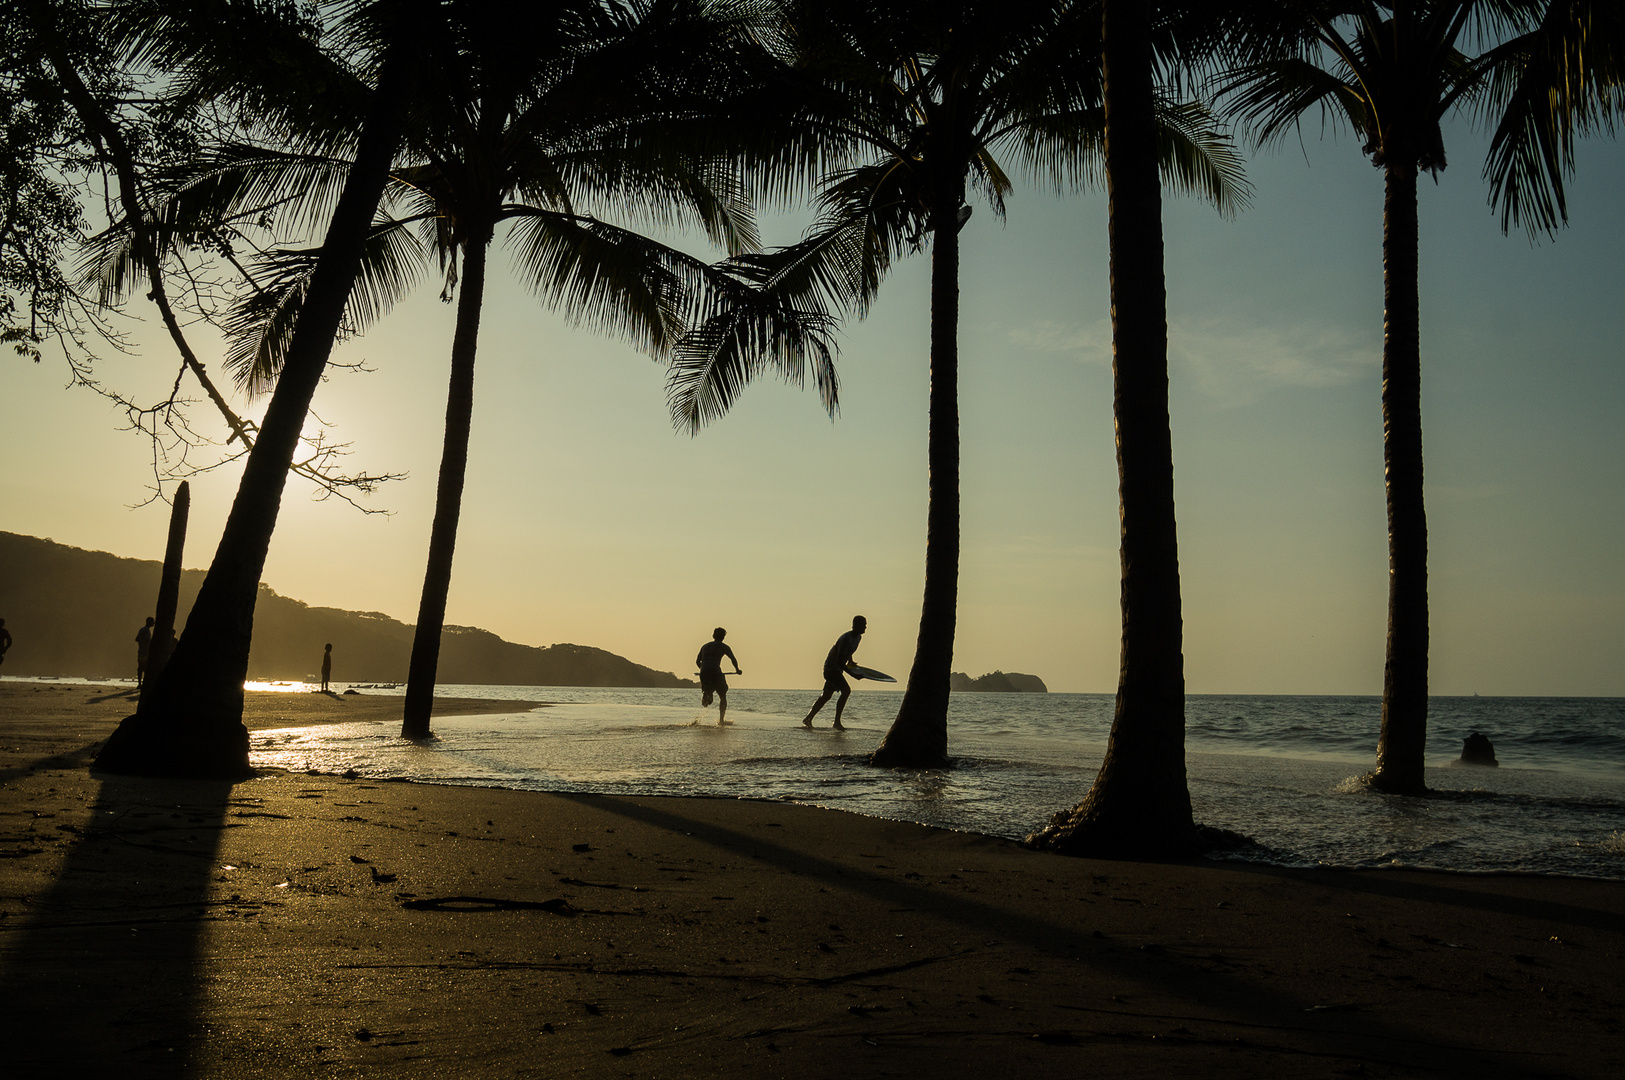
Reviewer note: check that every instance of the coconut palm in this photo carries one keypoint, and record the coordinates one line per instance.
(1140, 803)
(555, 118)
(190, 721)
(916, 104)
(520, 149)
(1539, 74)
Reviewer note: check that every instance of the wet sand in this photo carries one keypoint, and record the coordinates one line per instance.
(312, 925)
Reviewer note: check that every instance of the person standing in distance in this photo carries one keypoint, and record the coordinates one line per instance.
(836, 664)
(143, 647)
(5, 640)
(712, 680)
(327, 666)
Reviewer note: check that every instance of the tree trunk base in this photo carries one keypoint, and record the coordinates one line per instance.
(1079, 832)
(1396, 782)
(148, 745)
(902, 752)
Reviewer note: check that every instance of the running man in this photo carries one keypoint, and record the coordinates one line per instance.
(712, 680)
(836, 664)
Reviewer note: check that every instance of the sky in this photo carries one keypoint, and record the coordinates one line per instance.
(588, 519)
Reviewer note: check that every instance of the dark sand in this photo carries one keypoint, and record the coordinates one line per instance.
(299, 925)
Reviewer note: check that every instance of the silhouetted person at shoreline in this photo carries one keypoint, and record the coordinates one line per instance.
(5, 640)
(835, 666)
(327, 665)
(143, 649)
(712, 681)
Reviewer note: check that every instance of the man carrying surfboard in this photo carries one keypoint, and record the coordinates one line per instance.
(836, 664)
(712, 680)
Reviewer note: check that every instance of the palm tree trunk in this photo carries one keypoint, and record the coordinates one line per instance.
(448, 497)
(190, 722)
(1401, 745)
(918, 738)
(1139, 804)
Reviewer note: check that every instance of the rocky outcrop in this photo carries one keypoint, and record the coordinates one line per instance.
(996, 682)
(1477, 750)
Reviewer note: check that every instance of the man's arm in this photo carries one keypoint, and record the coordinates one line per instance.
(730, 654)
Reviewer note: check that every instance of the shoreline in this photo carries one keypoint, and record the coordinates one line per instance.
(297, 922)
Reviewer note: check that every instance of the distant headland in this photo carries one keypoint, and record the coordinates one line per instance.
(996, 682)
(75, 612)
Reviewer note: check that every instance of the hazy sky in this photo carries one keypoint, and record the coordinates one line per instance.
(587, 519)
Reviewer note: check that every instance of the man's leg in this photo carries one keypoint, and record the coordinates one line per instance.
(819, 704)
(722, 706)
(840, 707)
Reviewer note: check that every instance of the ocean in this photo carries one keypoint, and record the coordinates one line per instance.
(1283, 771)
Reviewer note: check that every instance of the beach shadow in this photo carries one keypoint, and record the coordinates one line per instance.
(77, 758)
(1452, 891)
(104, 975)
(132, 694)
(1237, 1007)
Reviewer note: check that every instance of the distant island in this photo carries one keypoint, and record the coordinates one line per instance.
(75, 612)
(996, 682)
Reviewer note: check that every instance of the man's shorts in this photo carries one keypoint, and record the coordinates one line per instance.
(835, 682)
(713, 682)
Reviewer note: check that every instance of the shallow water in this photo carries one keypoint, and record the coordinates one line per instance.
(1281, 770)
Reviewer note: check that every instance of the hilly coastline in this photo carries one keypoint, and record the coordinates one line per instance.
(996, 682)
(74, 612)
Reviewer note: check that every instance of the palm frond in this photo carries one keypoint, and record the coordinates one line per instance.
(1198, 158)
(1562, 81)
(269, 62)
(763, 315)
(1270, 98)
(1063, 150)
(775, 312)
(224, 191)
(260, 327)
(601, 275)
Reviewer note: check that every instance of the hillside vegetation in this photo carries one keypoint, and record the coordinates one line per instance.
(76, 612)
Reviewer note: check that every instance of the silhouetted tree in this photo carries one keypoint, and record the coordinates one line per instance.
(190, 722)
(524, 146)
(916, 103)
(1139, 803)
(553, 118)
(1540, 73)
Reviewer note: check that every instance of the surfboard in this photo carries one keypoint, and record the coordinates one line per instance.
(869, 673)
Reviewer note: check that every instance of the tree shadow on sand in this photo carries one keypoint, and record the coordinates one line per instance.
(1212, 1004)
(105, 970)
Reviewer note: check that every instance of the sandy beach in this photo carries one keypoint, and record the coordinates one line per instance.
(313, 925)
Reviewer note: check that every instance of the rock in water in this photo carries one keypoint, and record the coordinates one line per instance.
(1476, 750)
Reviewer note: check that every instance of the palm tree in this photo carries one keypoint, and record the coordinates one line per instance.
(915, 103)
(1139, 803)
(189, 722)
(520, 149)
(1542, 72)
(551, 114)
